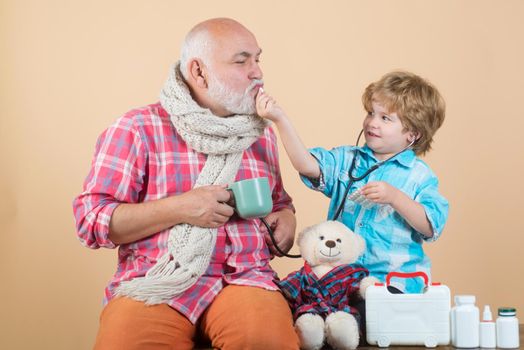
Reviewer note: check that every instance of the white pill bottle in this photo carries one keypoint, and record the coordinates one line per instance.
(465, 322)
(507, 328)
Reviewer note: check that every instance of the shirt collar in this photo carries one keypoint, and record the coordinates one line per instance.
(406, 158)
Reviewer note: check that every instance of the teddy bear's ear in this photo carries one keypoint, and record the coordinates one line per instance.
(302, 236)
(316, 230)
(358, 242)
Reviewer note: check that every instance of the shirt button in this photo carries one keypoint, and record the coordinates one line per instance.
(361, 225)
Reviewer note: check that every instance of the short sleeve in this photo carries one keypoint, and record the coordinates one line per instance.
(331, 162)
(435, 205)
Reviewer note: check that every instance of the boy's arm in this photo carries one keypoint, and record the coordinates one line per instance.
(301, 159)
(412, 211)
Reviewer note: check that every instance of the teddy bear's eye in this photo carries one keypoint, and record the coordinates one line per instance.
(321, 238)
(339, 240)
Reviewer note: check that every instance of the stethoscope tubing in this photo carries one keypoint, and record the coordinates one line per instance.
(273, 240)
(353, 179)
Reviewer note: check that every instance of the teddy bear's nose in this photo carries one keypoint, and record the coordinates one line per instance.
(330, 244)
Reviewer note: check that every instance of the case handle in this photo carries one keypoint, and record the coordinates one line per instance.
(407, 275)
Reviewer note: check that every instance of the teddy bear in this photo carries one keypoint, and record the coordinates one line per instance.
(320, 293)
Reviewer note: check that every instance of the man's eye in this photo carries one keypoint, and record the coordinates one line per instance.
(240, 62)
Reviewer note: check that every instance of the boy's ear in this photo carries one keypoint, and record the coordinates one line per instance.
(197, 73)
(413, 136)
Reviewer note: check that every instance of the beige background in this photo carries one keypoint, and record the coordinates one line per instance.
(70, 68)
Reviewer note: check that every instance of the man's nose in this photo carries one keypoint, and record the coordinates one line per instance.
(256, 71)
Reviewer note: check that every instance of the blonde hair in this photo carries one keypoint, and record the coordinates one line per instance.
(417, 102)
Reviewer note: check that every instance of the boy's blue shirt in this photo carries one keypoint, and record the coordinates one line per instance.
(391, 243)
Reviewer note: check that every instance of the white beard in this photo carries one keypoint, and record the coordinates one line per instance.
(233, 102)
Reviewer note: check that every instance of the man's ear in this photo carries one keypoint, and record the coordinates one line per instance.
(197, 73)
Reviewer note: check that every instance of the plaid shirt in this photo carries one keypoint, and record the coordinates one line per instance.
(306, 293)
(142, 158)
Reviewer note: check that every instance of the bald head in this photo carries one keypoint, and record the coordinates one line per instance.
(204, 38)
(220, 65)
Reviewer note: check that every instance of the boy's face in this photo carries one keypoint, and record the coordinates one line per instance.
(384, 132)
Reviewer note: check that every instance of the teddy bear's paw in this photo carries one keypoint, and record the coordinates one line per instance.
(342, 331)
(310, 330)
(365, 283)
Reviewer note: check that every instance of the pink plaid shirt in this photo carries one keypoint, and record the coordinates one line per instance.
(141, 158)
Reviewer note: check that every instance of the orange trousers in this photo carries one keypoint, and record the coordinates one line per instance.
(239, 318)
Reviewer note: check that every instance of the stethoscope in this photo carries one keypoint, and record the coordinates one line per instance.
(275, 244)
(353, 179)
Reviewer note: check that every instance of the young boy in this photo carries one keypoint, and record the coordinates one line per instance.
(396, 206)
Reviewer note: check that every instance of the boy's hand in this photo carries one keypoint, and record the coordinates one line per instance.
(379, 192)
(267, 107)
(412, 211)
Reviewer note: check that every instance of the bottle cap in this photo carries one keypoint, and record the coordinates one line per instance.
(507, 311)
(486, 314)
(464, 299)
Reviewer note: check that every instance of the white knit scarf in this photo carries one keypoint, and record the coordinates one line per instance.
(223, 139)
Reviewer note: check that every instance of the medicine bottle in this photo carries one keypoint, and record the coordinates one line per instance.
(488, 339)
(507, 328)
(465, 322)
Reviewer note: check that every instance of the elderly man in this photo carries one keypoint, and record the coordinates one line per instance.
(187, 265)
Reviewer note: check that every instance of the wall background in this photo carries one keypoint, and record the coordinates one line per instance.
(70, 68)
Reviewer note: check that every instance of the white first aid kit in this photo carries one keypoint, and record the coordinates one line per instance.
(408, 319)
